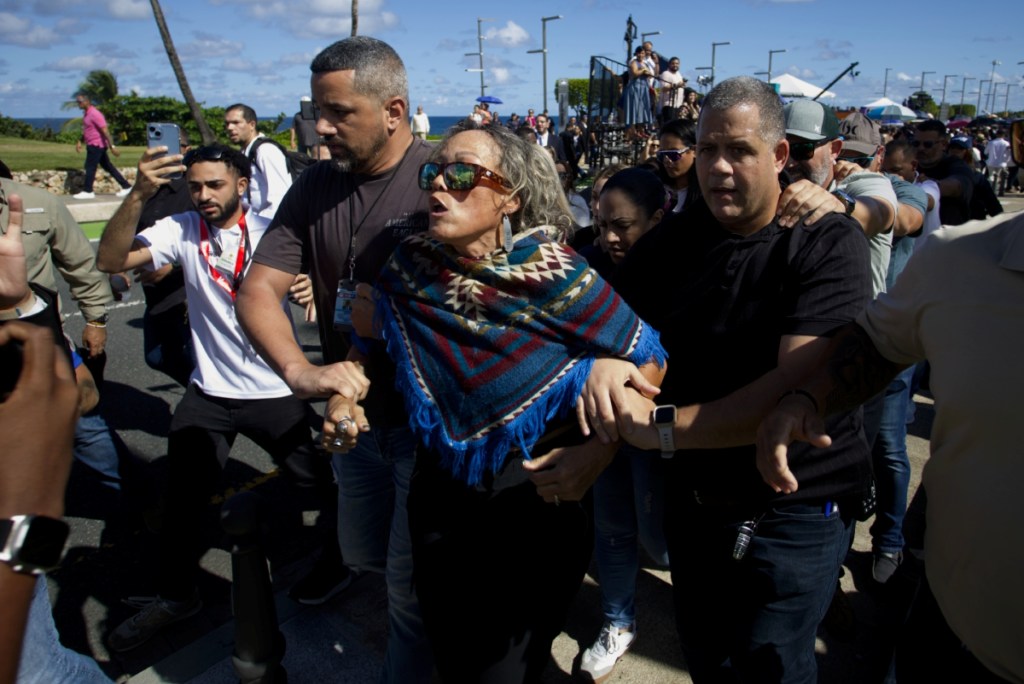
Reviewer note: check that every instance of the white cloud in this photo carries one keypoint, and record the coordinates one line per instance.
(500, 75)
(208, 45)
(130, 9)
(17, 31)
(86, 63)
(906, 77)
(510, 35)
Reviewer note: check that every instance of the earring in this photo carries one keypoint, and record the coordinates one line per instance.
(506, 233)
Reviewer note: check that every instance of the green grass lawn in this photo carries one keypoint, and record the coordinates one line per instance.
(93, 229)
(26, 155)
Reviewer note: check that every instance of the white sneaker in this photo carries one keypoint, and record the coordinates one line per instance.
(123, 192)
(612, 643)
(84, 195)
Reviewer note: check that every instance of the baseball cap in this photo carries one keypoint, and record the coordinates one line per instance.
(961, 141)
(860, 134)
(810, 120)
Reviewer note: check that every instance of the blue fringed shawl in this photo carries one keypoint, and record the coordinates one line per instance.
(490, 350)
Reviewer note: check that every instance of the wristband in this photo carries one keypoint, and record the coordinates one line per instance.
(802, 393)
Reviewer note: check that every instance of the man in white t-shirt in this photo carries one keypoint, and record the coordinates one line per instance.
(997, 154)
(270, 176)
(232, 389)
(672, 89)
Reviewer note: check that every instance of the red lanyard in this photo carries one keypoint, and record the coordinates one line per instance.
(231, 287)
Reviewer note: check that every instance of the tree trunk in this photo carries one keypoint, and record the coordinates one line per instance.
(355, 17)
(197, 114)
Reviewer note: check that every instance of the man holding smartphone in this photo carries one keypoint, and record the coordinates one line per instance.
(232, 389)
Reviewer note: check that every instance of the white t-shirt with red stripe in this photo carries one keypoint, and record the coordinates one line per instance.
(227, 365)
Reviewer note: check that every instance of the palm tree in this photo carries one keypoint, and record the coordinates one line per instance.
(355, 17)
(197, 114)
(100, 85)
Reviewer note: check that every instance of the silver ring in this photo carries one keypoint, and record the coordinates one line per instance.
(558, 502)
(343, 422)
(337, 443)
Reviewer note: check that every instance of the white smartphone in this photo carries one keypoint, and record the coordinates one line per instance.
(168, 134)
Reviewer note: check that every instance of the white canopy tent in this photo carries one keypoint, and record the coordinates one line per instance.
(881, 102)
(791, 86)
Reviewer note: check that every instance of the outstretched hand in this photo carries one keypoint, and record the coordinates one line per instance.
(794, 419)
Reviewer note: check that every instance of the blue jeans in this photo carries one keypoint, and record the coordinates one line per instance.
(892, 466)
(95, 447)
(373, 531)
(97, 156)
(629, 506)
(44, 660)
(753, 620)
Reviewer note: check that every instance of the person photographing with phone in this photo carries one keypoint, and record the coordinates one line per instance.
(232, 389)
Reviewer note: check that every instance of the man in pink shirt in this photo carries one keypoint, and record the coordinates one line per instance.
(97, 140)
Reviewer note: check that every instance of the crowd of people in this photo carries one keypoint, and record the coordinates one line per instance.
(712, 357)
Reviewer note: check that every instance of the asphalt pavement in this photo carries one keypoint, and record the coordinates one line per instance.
(112, 547)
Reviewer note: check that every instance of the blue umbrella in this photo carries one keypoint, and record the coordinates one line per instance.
(489, 99)
(892, 112)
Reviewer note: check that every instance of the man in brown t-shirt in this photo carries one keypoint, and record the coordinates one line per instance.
(341, 220)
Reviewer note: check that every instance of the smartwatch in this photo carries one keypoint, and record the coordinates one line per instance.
(32, 544)
(664, 418)
(848, 200)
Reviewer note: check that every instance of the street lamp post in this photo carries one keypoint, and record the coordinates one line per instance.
(945, 79)
(922, 80)
(990, 102)
(963, 92)
(544, 52)
(480, 54)
(643, 36)
(885, 84)
(713, 47)
(1006, 100)
(981, 90)
(772, 53)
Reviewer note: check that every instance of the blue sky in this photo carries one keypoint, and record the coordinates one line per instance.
(258, 51)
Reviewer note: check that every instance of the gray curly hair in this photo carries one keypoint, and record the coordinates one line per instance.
(530, 172)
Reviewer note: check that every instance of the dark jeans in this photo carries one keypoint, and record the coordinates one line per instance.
(167, 341)
(753, 620)
(495, 573)
(97, 156)
(891, 465)
(202, 432)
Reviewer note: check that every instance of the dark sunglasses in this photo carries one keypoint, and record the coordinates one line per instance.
(802, 151)
(460, 176)
(863, 162)
(199, 154)
(926, 144)
(673, 155)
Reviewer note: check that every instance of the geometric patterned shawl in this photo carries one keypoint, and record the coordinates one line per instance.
(490, 350)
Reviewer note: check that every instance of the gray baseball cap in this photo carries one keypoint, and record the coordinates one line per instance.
(810, 120)
(860, 134)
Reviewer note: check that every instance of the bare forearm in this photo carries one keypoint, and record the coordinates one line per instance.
(119, 234)
(874, 215)
(908, 220)
(855, 372)
(267, 326)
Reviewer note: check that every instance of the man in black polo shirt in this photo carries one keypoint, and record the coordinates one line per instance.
(742, 304)
(953, 176)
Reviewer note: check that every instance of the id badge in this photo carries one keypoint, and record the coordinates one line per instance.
(228, 256)
(343, 305)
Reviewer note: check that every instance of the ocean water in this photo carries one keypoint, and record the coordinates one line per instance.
(438, 124)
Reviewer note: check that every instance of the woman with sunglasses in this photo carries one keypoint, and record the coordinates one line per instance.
(495, 328)
(677, 154)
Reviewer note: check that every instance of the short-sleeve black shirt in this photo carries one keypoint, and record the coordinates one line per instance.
(722, 303)
(312, 231)
(953, 210)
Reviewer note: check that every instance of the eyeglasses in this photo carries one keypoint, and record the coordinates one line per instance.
(673, 155)
(203, 154)
(802, 151)
(460, 176)
(863, 162)
(926, 144)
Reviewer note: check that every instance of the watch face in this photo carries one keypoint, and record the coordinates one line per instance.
(43, 543)
(664, 414)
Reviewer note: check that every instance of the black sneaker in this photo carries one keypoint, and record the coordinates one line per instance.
(327, 579)
(154, 614)
(884, 565)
